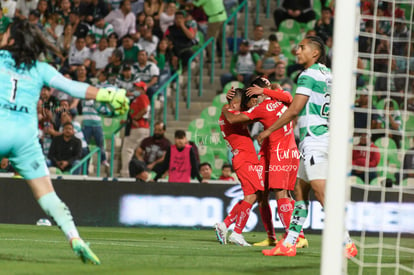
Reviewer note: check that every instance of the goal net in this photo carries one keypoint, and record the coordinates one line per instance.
(378, 162)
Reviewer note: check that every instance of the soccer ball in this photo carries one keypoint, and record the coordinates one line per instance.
(43, 222)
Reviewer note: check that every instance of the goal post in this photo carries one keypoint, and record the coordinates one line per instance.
(340, 125)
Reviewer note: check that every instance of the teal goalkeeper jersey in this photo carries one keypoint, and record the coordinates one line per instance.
(314, 82)
(20, 88)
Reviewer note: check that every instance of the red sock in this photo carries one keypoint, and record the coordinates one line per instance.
(266, 215)
(284, 210)
(242, 217)
(231, 217)
(301, 234)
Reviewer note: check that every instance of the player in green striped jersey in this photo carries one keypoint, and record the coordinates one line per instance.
(311, 106)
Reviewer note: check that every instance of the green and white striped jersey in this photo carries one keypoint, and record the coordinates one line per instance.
(314, 82)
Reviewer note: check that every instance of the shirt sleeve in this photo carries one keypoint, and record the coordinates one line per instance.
(305, 84)
(279, 94)
(52, 78)
(255, 112)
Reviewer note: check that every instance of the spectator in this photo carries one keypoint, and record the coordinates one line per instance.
(267, 65)
(114, 66)
(113, 40)
(23, 8)
(34, 18)
(92, 9)
(4, 22)
(361, 113)
(147, 72)
(42, 7)
(129, 49)
(8, 8)
(150, 23)
(280, 74)
(138, 170)
(216, 14)
(324, 26)
(65, 149)
(5, 166)
(148, 42)
(298, 10)
(167, 17)
(79, 28)
(126, 80)
(391, 120)
(100, 57)
(79, 54)
(181, 38)
(226, 171)
(123, 20)
(242, 66)
(68, 116)
(365, 149)
(259, 44)
(198, 15)
(180, 161)
(163, 58)
(92, 126)
(100, 28)
(153, 8)
(65, 10)
(66, 40)
(152, 149)
(52, 28)
(139, 126)
(206, 172)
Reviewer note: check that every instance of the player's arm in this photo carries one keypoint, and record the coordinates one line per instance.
(233, 118)
(291, 113)
(163, 167)
(52, 78)
(278, 94)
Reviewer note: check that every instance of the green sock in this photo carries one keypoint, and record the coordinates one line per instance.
(299, 215)
(54, 207)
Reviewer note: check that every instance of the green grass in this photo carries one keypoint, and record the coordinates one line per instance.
(28, 249)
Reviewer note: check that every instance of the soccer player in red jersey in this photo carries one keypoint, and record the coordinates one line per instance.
(246, 165)
(279, 157)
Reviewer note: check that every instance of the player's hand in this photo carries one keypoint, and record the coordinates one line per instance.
(262, 136)
(254, 90)
(225, 107)
(230, 93)
(116, 98)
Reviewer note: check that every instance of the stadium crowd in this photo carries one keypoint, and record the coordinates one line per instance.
(138, 45)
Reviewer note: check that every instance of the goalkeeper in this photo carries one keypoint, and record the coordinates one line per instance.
(22, 77)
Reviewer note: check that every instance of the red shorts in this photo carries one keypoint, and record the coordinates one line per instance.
(280, 168)
(249, 172)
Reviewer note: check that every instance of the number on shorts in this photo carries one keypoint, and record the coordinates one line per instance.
(13, 90)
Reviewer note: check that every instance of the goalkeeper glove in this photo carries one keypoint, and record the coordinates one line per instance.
(116, 99)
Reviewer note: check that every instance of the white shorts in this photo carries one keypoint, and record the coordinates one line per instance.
(313, 166)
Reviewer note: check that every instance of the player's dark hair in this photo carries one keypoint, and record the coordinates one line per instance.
(238, 93)
(260, 81)
(245, 100)
(317, 41)
(179, 134)
(205, 164)
(29, 43)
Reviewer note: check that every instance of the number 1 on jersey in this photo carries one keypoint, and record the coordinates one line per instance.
(13, 90)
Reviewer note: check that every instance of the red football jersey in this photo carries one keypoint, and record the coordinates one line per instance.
(267, 113)
(236, 135)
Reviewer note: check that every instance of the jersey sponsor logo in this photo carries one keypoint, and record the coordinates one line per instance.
(286, 207)
(15, 107)
(272, 106)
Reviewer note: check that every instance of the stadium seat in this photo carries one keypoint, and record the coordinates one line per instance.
(211, 114)
(289, 28)
(200, 38)
(317, 7)
(378, 181)
(408, 121)
(110, 125)
(408, 182)
(219, 101)
(217, 165)
(234, 84)
(355, 180)
(205, 154)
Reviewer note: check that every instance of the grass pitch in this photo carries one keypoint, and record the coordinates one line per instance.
(28, 249)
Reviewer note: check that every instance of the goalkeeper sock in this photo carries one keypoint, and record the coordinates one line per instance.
(284, 210)
(301, 234)
(231, 217)
(242, 217)
(54, 207)
(266, 215)
(300, 213)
